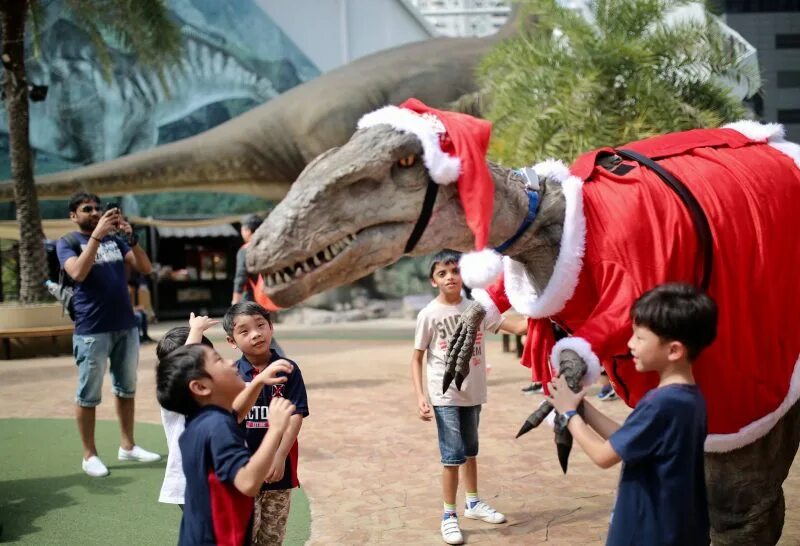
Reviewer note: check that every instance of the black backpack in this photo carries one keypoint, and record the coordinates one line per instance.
(64, 289)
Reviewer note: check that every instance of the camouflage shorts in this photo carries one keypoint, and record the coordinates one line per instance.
(269, 517)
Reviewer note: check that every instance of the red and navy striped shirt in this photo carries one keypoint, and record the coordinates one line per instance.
(256, 422)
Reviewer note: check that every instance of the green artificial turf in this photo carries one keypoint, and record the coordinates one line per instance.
(45, 498)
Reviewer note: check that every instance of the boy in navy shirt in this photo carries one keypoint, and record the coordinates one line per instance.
(221, 473)
(661, 499)
(249, 328)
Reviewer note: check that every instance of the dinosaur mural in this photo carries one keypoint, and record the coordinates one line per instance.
(603, 233)
(86, 119)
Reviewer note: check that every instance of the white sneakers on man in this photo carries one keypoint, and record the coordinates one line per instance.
(451, 532)
(484, 512)
(138, 454)
(94, 467)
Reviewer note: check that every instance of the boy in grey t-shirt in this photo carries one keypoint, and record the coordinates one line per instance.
(457, 412)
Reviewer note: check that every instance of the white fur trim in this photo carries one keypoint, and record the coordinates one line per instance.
(493, 315)
(756, 131)
(481, 268)
(788, 148)
(720, 443)
(552, 168)
(559, 290)
(584, 350)
(443, 168)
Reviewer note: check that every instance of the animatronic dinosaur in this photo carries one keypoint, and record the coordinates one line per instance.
(601, 236)
(263, 151)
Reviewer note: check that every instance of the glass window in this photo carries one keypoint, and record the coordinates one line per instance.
(788, 78)
(787, 41)
(789, 116)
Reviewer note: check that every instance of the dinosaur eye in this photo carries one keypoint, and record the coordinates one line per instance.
(407, 161)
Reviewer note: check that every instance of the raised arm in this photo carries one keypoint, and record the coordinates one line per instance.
(251, 476)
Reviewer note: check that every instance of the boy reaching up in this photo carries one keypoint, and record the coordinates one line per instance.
(661, 499)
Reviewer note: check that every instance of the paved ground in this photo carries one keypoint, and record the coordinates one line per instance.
(370, 466)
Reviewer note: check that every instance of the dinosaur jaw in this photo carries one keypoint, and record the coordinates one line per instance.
(346, 259)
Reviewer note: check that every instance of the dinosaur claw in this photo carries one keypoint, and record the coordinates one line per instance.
(563, 455)
(446, 380)
(526, 427)
(459, 380)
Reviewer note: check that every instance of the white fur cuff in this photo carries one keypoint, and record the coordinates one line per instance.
(584, 350)
(480, 269)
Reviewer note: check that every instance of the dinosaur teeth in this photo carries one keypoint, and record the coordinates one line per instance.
(306, 267)
(298, 272)
(317, 261)
(269, 280)
(328, 254)
(287, 278)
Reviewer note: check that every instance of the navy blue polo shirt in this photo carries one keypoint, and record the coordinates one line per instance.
(256, 423)
(101, 301)
(661, 499)
(214, 449)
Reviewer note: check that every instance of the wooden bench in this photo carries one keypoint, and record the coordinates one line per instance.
(7, 334)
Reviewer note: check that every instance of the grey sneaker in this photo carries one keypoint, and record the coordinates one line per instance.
(532, 388)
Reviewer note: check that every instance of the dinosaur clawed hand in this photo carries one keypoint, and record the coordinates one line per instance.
(460, 347)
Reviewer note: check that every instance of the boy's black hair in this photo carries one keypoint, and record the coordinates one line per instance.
(444, 257)
(252, 222)
(243, 308)
(175, 338)
(174, 372)
(77, 199)
(678, 312)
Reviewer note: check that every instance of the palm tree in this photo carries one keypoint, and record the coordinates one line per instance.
(612, 74)
(142, 28)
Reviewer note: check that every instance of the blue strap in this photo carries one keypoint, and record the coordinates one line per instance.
(533, 207)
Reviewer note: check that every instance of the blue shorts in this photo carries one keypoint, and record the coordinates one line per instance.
(92, 354)
(458, 432)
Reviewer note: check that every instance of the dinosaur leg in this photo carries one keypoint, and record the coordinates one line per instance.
(745, 494)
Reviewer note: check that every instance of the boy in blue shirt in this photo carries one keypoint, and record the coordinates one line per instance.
(661, 499)
(221, 473)
(249, 329)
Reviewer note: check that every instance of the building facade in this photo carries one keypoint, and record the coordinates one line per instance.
(773, 28)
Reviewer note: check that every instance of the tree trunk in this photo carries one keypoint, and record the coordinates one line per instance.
(32, 258)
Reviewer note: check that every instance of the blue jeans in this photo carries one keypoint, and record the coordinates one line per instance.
(92, 354)
(458, 432)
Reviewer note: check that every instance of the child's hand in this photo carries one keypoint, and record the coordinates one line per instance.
(201, 323)
(562, 397)
(425, 411)
(280, 410)
(277, 469)
(269, 375)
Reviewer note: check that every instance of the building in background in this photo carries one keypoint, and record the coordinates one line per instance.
(773, 28)
(464, 18)
(332, 33)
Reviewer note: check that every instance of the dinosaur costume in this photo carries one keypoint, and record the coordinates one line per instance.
(630, 233)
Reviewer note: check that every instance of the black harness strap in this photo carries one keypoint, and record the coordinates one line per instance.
(424, 216)
(699, 219)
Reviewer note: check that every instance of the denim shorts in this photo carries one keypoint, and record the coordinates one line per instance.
(92, 354)
(458, 432)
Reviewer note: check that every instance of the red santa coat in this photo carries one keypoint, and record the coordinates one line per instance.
(624, 234)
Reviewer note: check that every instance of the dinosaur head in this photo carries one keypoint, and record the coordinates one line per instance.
(350, 212)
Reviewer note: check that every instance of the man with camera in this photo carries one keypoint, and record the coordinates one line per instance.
(105, 331)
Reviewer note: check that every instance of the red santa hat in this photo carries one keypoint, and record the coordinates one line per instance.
(454, 150)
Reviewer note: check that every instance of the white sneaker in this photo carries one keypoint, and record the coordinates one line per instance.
(451, 532)
(138, 454)
(94, 467)
(484, 512)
